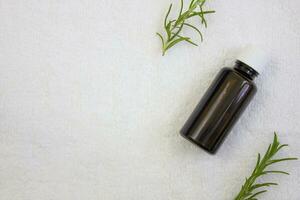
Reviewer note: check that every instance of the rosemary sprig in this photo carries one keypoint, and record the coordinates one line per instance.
(251, 189)
(174, 27)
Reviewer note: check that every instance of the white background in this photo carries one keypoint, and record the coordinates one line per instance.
(89, 109)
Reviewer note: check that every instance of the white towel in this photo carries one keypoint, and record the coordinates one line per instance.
(89, 109)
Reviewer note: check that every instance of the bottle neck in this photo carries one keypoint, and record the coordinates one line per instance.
(245, 69)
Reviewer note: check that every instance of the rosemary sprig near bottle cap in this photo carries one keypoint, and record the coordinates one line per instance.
(174, 27)
(251, 189)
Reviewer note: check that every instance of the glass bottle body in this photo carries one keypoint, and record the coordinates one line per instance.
(220, 107)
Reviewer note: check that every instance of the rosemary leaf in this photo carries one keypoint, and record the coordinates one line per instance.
(250, 187)
(174, 27)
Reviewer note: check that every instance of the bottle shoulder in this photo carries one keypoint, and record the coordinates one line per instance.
(227, 71)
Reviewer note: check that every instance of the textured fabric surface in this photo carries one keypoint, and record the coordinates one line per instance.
(91, 110)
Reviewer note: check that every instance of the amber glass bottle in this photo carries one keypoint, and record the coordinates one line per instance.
(221, 106)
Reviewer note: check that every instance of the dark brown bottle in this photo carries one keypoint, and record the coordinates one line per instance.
(221, 106)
